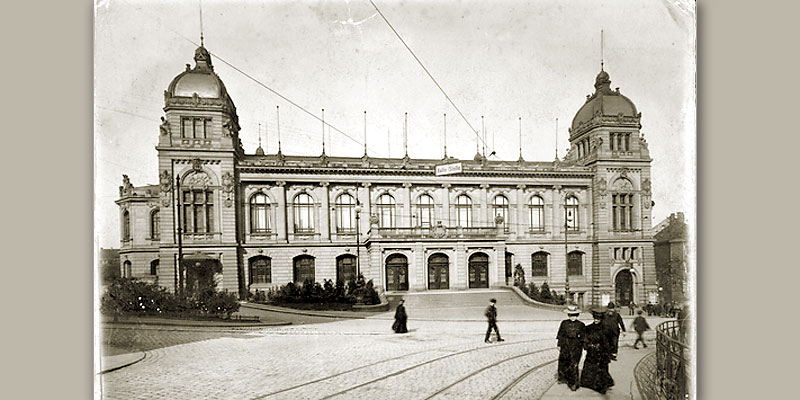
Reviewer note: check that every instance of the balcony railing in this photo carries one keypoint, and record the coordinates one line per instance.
(437, 232)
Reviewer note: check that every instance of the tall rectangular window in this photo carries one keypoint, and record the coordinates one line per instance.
(198, 211)
(194, 127)
(622, 211)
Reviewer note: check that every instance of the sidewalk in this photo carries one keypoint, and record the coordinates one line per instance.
(622, 372)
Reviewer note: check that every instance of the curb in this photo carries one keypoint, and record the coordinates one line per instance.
(309, 313)
(112, 369)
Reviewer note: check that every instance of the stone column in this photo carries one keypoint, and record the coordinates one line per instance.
(283, 219)
(522, 221)
(324, 212)
(364, 197)
(407, 206)
(444, 216)
(556, 217)
(485, 206)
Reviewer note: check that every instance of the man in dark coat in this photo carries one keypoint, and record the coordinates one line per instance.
(400, 318)
(570, 341)
(613, 322)
(640, 325)
(595, 373)
(491, 316)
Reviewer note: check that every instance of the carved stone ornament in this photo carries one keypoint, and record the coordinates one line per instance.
(623, 172)
(646, 185)
(165, 184)
(227, 186)
(198, 179)
(197, 164)
(164, 127)
(602, 186)
(498, 220)
(373, 219)
(595, 144)
(127, 187)
(439, 231)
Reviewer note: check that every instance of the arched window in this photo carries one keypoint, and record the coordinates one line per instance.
(463, 211)
(260, 270)
(127, 269)
(425, 210)
(572, 213)
(259, 214)
(575, 263)
(154, 267)
(346, 268)
(536, 210)
(539, 263)
(303, 269)
(345, 214)
(501, 209)
(126, 225)
(155, 231)
(198, 210)
(386, 206)
(303, 214)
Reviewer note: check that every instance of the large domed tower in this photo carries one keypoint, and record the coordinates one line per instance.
(198, 150)
(605, 135)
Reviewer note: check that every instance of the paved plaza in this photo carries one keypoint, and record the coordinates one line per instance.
(443, 356)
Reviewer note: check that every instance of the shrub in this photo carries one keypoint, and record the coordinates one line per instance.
(544, 293)
(355, 291)
(533, 291)
(129, 295)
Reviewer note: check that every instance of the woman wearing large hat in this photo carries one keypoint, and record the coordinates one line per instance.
(595, 373)
(570, 341)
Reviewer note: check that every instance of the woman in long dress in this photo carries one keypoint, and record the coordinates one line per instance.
(595, 373)
(400, 319)
(570, 341)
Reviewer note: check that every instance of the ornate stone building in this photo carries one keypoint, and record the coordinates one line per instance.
(251, 221)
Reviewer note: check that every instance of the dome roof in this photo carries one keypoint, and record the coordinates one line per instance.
(201, 79)
(604, 101)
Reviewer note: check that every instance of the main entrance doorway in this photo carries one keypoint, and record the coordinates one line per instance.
(478, 271)
(396, 272)
(624, 288)
(438, 272)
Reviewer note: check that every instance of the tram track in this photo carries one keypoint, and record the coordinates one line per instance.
(399, 371)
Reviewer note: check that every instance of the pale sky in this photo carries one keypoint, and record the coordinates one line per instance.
(501, 59)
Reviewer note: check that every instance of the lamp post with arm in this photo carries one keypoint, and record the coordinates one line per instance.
(358, 239)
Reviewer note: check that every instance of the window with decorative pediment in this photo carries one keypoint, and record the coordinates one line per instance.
(463, 211)
(536, 210)
(500, 205)
(260, 210)
(386, 209)
(303, 213)
(425, 211)
(345, 214)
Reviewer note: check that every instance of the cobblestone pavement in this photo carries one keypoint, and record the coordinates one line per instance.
(347, 359)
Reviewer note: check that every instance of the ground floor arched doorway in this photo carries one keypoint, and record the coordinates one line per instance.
(396, 272)
(200, 275)
(624, 288)
(438, 272)
(478, 271)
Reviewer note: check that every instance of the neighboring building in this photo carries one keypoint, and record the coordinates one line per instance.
(672, 268)
(109, 265)
(260, 220)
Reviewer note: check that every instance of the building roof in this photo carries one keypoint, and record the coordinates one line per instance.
(604, 102)
(201, 79)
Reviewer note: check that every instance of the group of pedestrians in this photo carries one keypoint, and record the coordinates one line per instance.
(600, 339)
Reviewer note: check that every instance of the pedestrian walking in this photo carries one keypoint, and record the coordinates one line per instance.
(570, 341)
(631, 307)
(491, 316)
(640, 325)
(595, 373)
(400, 318)
(613, 323)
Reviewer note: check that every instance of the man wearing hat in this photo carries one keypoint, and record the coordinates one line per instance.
(491, 316)
(570, 341)
(640, 325)
(595, 373)
(613, 322)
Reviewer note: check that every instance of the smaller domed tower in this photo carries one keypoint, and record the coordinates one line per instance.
(199, 144)
(605, 135)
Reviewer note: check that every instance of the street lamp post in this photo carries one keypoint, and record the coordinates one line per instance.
(358, 239)
(566, 252)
